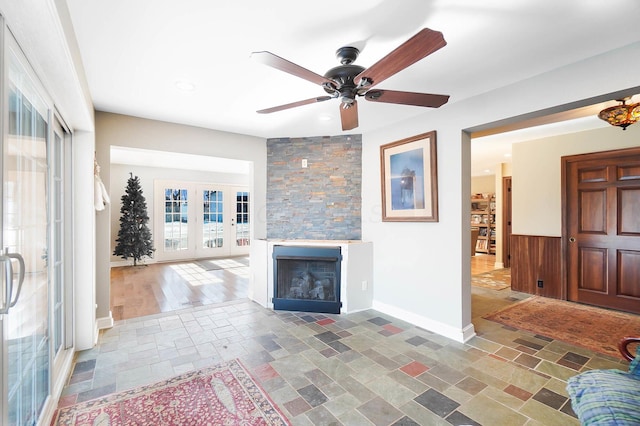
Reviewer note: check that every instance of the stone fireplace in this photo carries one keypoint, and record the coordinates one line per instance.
(307, 278)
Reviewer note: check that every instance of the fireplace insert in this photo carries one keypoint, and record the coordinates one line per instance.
(307, 279)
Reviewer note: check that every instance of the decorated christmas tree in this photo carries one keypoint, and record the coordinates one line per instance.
(134, 237)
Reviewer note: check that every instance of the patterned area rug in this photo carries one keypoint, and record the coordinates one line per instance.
(226, 263)
(498, 279)
(221, 395)
(592, 328)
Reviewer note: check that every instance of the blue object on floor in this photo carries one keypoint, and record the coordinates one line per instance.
(608, 397)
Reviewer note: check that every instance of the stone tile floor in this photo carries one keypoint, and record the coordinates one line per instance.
(364, 368)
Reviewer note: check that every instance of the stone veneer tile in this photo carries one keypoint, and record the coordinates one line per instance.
(388, 389)
(437, 402)
(405, 421)
(555, 370)
(546, 415)
(297, 406)
(575, 358)
(321, 201)
(380, 412)
(312, 395)
(459, 419)
(321, 416)
(416, 340)
(471, 385)
(392, 328)
(518, 392)
(550, 398)
(96, 393)
(379, 321)
(489, 412)
(414, 368)
(527, 360)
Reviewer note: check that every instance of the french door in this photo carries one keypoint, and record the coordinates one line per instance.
(200, 220)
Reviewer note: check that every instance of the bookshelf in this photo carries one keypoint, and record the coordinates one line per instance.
(483, 217)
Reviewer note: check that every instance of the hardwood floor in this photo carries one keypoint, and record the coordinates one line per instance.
(481, 263)
(161, 287)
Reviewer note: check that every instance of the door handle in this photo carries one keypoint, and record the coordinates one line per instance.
(9, 301)
(8, 284)
(20, 260)
(572, 239)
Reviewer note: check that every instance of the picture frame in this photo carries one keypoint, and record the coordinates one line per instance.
(409, 174)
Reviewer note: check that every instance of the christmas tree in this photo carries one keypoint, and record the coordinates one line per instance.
(134, 237)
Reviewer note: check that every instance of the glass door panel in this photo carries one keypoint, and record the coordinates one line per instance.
(242, 226)
(25, 333)
(211, 223)
(212, 219)
(176, 219)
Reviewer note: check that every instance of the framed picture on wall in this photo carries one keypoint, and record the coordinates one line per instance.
(408, 168)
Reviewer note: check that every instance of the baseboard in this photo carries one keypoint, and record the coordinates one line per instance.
(459, 335)
(353, 311)
(499, 265)
(104, 322)
(119, 263)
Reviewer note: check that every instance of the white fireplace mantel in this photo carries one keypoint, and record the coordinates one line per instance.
(356, 271)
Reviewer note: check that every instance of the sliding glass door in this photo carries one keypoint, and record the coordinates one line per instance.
(36, 339)
(24, 253)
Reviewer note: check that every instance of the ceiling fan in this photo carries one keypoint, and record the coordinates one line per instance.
(347, 81)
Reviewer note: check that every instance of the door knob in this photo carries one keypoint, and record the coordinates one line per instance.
(572, 239)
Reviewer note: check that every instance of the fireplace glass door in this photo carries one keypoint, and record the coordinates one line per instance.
(307, 279)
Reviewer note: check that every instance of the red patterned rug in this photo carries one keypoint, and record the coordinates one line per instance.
(592, 328)
(222, 395)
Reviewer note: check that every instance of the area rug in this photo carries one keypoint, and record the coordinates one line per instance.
(226, 263)
(221, 395)
(498, 279)
(592, 328)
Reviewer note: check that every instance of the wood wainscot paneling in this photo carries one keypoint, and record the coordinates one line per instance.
(534, 259)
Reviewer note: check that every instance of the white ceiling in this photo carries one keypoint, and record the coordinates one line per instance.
(135, 53)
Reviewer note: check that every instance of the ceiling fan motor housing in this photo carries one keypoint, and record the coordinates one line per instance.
(343, 76)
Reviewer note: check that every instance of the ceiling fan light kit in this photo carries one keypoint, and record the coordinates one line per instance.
(621, 115)
(347, 81)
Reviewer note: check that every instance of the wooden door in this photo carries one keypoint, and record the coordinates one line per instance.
(506, 221)
(602, 223)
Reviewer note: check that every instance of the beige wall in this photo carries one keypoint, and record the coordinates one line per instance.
(483, 184)
(537, 185)
(126, 131)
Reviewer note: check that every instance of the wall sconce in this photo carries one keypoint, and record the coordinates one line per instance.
(621, 115)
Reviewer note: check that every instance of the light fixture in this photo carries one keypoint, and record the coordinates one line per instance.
(621, 115)
(185, 86)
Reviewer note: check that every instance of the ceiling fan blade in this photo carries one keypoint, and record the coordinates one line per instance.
(349, 116)
(294, 104)
(274, 61)
(411, 51)
(407, 98)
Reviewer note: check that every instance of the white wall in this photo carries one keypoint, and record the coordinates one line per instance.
(421, 270)
(537, 202)
(132, 132)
